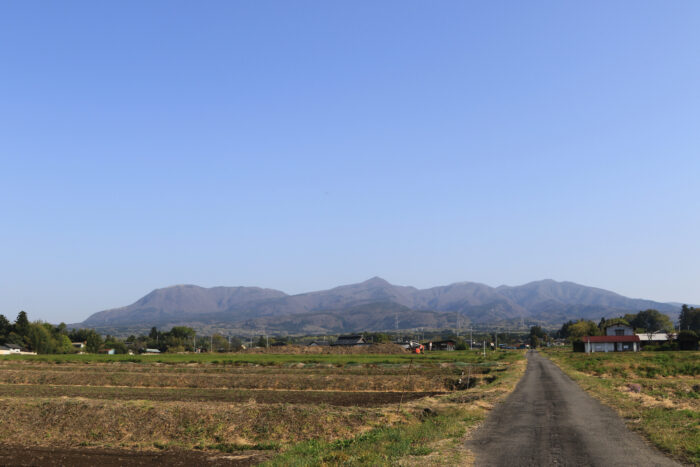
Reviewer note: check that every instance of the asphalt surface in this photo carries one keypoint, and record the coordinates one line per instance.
(550, 421)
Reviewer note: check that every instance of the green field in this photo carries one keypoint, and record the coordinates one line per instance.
(463, 356)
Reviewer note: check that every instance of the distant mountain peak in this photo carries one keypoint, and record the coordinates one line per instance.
(376, 280)
(546, 301)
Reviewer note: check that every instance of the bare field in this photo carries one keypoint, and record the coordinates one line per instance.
(248, 410)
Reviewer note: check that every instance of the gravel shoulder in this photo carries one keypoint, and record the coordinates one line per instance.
(550, 420)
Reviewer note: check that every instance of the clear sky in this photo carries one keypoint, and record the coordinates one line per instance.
(300, 145)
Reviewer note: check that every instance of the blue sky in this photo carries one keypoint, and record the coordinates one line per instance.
(302, 145)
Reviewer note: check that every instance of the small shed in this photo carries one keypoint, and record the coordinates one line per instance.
(658, 337)
(442, 345)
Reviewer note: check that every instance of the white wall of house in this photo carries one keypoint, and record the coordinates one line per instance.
(619, 330)
(611, 347)
(599, 347)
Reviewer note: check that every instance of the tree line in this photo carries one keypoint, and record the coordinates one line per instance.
(45, 338)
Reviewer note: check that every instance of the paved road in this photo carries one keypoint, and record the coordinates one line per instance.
(550, 421)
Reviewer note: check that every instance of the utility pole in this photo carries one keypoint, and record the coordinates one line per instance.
(211, 343)
(396, 321)
(471, 340)
(484, 348)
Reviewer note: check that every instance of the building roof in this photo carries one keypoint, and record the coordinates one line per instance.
(601, 339)
(349, 340)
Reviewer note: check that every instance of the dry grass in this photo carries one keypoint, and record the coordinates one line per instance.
(147, 424)
(34, 411)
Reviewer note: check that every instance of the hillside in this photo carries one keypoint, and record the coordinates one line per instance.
(374, 304)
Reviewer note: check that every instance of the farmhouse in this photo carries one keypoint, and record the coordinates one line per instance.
(9, 349)
(617, 338)
(355, 339)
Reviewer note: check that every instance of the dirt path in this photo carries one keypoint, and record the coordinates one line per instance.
(549, 420)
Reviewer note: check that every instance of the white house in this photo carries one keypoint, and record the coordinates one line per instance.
(10, 349)
(617, 338)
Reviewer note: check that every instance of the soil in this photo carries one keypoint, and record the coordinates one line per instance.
(550, 420)
(89, 457)
(336, 398)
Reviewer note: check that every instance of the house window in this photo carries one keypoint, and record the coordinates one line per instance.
(619, 332)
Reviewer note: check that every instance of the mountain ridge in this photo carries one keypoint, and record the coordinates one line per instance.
(546, 301)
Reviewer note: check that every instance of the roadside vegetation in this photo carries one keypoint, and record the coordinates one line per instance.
(657, 393)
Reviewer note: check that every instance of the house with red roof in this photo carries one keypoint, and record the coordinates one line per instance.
(617, 338)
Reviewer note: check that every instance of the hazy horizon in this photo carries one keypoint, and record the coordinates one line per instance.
(300, 146)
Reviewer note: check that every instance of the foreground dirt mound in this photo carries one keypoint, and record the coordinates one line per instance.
(305, 349)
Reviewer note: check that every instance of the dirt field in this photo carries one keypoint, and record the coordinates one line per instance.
(57, 457)
(260, 396)
(232, 410)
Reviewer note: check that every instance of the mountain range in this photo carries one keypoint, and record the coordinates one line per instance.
(371, 305)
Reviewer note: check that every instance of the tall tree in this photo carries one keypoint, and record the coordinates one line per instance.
(689, 319)
(22, 324)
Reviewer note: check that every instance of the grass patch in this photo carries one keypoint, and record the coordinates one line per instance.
(380, 446)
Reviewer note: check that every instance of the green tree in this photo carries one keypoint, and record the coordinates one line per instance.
(583, 328)
(39, 338)
(63, 345)
(5, 329)
(689, 319)
(687, 340)
(22, 324)
(564, 332)
(220, 343)
(93, 342)
(651, 321)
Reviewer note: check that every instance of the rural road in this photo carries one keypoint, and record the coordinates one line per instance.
(549, 420)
